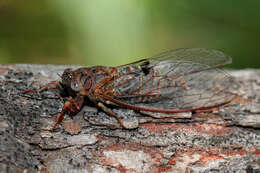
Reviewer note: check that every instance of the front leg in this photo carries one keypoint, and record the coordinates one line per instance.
(51, 85)
(72, 105)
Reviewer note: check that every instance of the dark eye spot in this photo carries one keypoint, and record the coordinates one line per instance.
(145, 67)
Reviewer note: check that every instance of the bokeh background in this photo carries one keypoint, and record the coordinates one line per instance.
(114, 32)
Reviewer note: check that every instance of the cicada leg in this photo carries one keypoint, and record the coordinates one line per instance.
(71, 105)
(50, 85)
(53, 85)
(110, 112)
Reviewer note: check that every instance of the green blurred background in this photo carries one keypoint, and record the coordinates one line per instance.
(114, 32)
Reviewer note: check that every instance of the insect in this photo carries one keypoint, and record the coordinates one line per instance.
(182, 80)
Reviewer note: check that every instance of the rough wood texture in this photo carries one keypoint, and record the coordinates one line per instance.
(221, 140)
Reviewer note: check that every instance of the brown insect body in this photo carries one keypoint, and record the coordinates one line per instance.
(176, 81)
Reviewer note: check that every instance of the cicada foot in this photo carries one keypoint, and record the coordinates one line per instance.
(71, 105)
(110, 112)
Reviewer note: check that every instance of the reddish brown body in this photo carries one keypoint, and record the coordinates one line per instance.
(176, 81)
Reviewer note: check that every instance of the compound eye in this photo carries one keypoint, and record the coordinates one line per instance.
(75, 86)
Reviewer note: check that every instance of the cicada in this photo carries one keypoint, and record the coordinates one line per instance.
(175, 81)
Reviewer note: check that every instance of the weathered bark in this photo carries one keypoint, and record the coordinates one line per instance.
(223, 140)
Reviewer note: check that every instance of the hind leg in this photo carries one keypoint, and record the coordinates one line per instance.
(110, 112)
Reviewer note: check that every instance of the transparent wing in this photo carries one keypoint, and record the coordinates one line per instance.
(183, 79)
(205, 56)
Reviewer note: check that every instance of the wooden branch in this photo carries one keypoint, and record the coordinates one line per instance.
(221, 140)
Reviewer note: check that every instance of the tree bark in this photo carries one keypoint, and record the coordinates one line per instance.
(226, 139)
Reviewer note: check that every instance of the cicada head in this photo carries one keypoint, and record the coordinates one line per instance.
(76, 81)
(66, 77)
